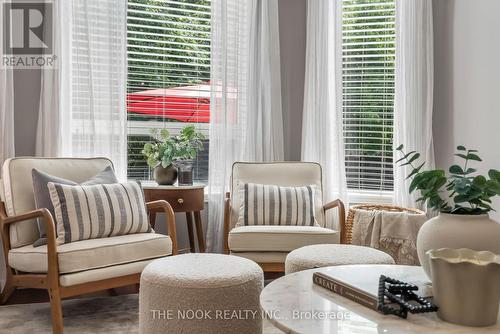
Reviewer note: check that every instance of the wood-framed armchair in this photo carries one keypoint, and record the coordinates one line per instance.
(269, 245)
(75, 268)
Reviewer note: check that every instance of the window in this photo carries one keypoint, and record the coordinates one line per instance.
(168, 85)
(368, 54)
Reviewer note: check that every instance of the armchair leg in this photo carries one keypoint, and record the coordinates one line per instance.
(8, 290)
(56, 311)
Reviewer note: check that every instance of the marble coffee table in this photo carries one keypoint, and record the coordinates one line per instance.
(294, 304)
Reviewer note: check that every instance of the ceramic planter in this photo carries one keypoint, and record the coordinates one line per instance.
(165, 175)
(465, 285)
(477, 232)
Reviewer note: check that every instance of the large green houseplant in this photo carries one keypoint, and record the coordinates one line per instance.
(166, 152)
(463, 198)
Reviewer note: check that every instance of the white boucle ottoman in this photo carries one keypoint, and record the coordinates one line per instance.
(201, 293)
(317, 256)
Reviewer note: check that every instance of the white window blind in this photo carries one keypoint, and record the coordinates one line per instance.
(368, 53)
(168, 51)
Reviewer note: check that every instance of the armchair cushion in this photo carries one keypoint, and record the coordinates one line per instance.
(98, 274)
(94, 253)
(278, 238)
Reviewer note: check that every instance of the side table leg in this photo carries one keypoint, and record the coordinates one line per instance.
(199, 231)
(189, 221)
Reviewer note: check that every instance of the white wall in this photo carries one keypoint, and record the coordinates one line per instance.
(292, 17)
(467, 87)
(26, 102)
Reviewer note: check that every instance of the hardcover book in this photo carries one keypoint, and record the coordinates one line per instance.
(359, 283)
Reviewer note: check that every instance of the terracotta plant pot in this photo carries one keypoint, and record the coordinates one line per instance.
(477, 232)
(165, 175)
(465, 286)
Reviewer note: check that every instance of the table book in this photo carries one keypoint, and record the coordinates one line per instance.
(360, 283)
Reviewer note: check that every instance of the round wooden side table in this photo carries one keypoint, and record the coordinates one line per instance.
(188, 199)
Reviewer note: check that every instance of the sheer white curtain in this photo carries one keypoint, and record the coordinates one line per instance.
(6, 104)
(322, 137)
(246, 117)
(48, 132)
(7, 148)
(414, 90)
(83, 102)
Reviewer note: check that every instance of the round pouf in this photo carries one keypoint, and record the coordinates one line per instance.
(316, 256)
(200, 293)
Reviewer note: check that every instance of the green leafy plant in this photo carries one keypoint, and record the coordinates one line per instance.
(167, 149)
(462, 191)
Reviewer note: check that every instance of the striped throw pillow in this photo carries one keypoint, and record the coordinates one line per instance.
(264, 204)
(98, 211)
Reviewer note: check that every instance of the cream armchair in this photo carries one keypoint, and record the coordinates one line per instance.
(74, 268)
(269, 245)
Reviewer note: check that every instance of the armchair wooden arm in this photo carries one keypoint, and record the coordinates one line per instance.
(165, 206)
(340, 205)
(49, 227)
(51, 283)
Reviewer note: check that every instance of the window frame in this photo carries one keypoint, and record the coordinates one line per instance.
(368, 45)
(161, 77)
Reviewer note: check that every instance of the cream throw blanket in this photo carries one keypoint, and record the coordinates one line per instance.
(392, 232)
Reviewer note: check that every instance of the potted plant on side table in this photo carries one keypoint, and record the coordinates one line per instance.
(167, 153)
(463, 199)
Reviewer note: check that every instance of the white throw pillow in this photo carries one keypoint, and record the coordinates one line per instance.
(98, 211)
(265, 204)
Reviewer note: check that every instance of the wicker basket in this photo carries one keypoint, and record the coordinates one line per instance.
(372, 207)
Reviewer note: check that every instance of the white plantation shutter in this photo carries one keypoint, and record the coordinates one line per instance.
(168, 85)
(368, 92)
